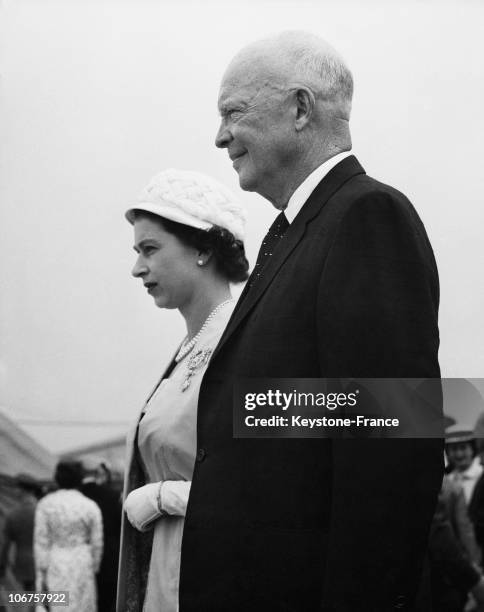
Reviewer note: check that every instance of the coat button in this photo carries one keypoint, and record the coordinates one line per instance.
(201, 454)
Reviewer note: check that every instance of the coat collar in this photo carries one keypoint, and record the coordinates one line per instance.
(330, 184)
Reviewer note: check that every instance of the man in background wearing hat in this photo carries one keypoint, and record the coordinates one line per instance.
(345, 285)
(476, 504)
(466, 468)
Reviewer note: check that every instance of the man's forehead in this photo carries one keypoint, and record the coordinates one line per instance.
(230, 96)
(249, 73)
(235, 91)
(243, 92)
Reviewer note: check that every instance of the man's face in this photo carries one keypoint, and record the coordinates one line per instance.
(256, 129)
(460, 455)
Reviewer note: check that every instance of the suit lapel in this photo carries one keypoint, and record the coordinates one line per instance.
(330, 184)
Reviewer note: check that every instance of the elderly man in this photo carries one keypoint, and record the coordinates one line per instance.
(345, 286)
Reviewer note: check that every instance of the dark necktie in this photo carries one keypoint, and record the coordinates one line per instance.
(271, 240)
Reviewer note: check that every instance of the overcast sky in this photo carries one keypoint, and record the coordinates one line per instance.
(99, 96)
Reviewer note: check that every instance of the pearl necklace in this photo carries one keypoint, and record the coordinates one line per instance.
(188, 345)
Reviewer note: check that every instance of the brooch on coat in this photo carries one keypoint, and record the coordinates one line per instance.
(195, 362)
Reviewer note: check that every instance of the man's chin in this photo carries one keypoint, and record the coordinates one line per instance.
(246, 182)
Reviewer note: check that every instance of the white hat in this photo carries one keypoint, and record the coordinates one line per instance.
(191, 198)
(456, 434)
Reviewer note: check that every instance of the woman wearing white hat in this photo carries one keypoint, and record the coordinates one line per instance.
(188, 235)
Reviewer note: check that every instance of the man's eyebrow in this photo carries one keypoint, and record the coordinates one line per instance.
(225, 107)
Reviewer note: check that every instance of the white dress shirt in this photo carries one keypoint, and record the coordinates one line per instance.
(305, 189)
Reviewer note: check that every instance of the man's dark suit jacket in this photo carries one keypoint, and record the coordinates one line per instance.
(306, 524)
(19, 530)
(476, 511)
(109, 503)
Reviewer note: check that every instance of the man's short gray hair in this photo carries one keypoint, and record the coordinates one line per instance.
(311, 61)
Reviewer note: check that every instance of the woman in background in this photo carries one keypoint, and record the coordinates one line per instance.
(68, 540)
(188, 233)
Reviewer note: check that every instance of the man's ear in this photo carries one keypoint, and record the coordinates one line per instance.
(305, 103)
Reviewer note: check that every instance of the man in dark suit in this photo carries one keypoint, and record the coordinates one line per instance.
(19, 531)
(96, 485)
(345, 285)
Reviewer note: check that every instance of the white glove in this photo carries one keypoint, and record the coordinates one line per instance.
(174, 496)
(143, 506)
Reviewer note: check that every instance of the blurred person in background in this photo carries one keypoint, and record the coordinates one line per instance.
(453, 498)
(19, 531)
(96, 484)
(68, 540)
(453, 575)
(188, 233)
(465, 473)
(464, 464)
(476, 505)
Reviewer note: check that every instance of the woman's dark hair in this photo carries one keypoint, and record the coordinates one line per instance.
(227, 251)
(68, 474)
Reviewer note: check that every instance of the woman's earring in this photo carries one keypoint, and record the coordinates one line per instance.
(200, 262)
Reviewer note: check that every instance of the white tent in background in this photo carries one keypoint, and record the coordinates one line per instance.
(21, 454)
(111, 450)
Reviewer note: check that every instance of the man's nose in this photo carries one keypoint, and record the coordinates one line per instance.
(139, 269)
(223, 136)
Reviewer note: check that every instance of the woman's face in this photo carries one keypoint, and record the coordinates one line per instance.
(167, 267)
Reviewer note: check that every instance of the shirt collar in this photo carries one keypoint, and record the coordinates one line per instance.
(305, 189)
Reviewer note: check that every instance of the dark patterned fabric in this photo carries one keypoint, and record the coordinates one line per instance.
(271, 240)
